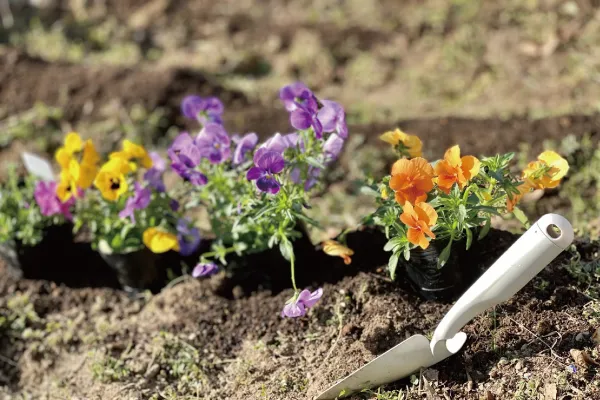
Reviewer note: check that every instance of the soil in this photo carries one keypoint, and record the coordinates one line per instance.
(241, 348)
(485, 75)
(82, 92)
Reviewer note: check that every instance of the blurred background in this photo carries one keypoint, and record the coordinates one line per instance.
(491, 76)
(122, 66)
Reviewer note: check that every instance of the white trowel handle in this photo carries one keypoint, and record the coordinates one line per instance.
(535, 249)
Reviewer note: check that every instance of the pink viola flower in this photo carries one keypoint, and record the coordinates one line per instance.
(299, 305)
(49, 203)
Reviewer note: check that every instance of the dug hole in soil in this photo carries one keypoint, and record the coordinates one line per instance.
(243, 349)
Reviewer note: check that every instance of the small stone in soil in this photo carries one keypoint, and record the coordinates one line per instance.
(519, 365)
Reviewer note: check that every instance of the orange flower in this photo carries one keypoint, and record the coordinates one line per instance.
(454, 169)
(411, 180)
(333, 248)
(419, 220)
(511, 202)
(547, 171)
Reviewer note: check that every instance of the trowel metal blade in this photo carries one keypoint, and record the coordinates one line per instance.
(398, 362)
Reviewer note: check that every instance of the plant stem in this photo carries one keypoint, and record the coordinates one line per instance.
(210, 254)
(293, 272)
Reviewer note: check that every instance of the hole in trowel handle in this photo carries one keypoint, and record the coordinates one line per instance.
(554, 231)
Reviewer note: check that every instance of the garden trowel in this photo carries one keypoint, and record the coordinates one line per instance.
(535, 249)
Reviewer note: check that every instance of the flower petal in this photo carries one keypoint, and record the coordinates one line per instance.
(301, 119)
(271, 161)
(267, 185)
(470, 166)
(191, 106)
(313, 298)
(452, 156)
(254, 173)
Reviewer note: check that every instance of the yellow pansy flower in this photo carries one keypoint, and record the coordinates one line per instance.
(547, 171)
(111, 181)
(159, 241)
(408, 144)
(133, 153)
(67, 186)
(73, 143)
(73, 174)
(137, 152)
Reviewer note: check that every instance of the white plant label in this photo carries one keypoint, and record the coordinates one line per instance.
(38, 166)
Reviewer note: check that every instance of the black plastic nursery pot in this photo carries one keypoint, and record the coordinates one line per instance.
(32, 262)
(142, 269)
(58, 258)
(463, 267)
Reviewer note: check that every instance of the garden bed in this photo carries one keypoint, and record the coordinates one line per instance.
(189, 341)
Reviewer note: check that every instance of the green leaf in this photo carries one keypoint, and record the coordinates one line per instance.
(486, 228)
(272, 241)
(286, 249)
(116, 242)
(407, 252)
(462, 214)
(315, 163)
(469, 238)
(392, 264)
(445, 254)
(521, 217)
(392, 243)
(307, 219)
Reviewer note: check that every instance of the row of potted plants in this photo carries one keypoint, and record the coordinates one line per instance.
(256, 196)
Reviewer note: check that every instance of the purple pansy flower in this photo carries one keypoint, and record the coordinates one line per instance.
(303, 107)
(49, 203)
(267, 163)
(188, 237)
(280, 143)
(244, 145)
(291, 93)
(154, 176)
(139, 201)
(185, 157)
(174, 205)
(213, 143)
(333, 147)
(205, 269)
(298, 306)
(204, 110)
(333, 118)
(305, 116)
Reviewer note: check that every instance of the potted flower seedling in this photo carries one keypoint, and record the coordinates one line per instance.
(123, 208)
(35, 225)
(432, 213)
(256, 193)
